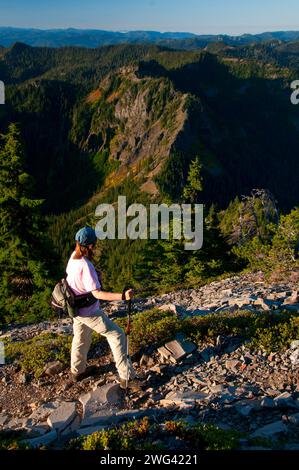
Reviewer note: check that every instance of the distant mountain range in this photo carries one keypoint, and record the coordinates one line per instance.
(96, 38)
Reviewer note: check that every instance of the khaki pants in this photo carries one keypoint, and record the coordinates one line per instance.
(83, 327)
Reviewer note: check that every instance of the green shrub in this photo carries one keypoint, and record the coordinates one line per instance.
(10, 440)
(277, 336)
(128, 437)
(141, 435)
(32, 355)
(152, 327)
(208, 436)
(267, 330)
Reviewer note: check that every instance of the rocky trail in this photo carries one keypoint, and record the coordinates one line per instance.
(220, 382)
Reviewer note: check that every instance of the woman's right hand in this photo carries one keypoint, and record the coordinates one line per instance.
(129, 294)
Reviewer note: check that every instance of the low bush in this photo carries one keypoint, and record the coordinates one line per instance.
(152, 327)
(141, 435)
(268, 330)
(206, 436)
(11, 440)
(129, 436)
(32, 355)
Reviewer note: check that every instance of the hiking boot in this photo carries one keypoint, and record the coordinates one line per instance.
(134, 385)
(89, 371)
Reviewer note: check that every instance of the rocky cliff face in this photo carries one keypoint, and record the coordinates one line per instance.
(137, 120)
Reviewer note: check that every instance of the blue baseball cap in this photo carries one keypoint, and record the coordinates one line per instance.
(86, 236)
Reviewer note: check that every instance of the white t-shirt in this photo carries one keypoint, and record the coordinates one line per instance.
(82, 278)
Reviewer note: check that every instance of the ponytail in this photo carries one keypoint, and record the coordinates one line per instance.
(82, 250)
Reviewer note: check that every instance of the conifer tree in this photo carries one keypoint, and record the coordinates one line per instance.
(23, 287)
(194, 181)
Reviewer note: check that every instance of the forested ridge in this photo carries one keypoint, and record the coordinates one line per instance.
(97, 38)
(211, 125)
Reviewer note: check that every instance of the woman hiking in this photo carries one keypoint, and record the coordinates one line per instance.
(82, 278)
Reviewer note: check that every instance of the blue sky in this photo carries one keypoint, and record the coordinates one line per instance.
(197, 16)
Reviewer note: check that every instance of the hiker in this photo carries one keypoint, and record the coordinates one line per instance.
(83, 278)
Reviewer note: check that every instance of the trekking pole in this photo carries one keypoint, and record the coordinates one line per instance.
(128, 330)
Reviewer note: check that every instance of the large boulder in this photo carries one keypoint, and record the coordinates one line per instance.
(100, 404)
(271, 430)
(62, 416)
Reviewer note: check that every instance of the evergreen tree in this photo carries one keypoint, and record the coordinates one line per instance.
(23, 288)
(194, 181)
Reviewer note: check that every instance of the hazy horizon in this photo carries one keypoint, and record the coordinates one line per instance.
(200, 17)
(124, 31)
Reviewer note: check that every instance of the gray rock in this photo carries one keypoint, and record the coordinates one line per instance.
(36, 431)
(245, 407)
(114, 416)
(100, 404)
(171, 308)
(23, 378)
(232, 364)
(230, 309)
(165, 354)
(200, 312)
(125, 415)
(244, 410)
(291, 308)
(179, 348)
(295, 344)
(3, 419)
(294, 419)
(60, 418)
(54, 368)
(15, 423)
(109, 393)
(226, 292)
(211, 307)
(183, 399)
(270, 430)
(267, 402)
(206, 354)
(99, 383)
(240, 302)
(293, 299)
(146, 361)
(5, 380)
(265, 304)
(102, 416)
(43, 411)
(221, 388)
(41, 441)
(284, 400)
(72, 427)
(198, 380)
(294, 357)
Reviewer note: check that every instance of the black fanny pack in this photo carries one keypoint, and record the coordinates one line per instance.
(84, 300)
(65, 302)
